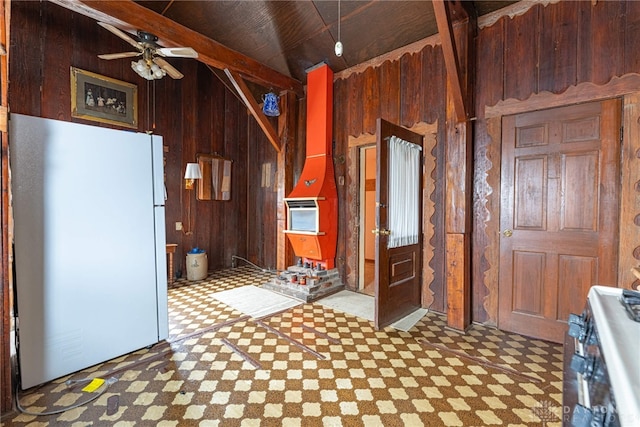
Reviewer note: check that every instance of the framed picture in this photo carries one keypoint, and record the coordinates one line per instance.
(103, 99)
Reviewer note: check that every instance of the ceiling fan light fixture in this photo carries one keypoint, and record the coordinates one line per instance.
(151, 66)
(139, 66)
(146, 70)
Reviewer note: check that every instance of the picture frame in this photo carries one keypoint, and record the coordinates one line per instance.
(216, 177)
(103, 99)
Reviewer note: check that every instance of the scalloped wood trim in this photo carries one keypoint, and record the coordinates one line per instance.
(352, 218)
(362, 139)
(430, 132)
(394, 55)
(491, 204)
(583, 92)
(487, 20)
(426, 129)
(368, 138)
(511, 11)
(629, 194)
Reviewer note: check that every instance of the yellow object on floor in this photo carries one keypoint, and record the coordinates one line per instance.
(95, 384)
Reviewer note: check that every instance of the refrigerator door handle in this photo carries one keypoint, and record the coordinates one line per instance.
(157, 153)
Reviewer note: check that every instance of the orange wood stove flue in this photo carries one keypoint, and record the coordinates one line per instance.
(312, 206)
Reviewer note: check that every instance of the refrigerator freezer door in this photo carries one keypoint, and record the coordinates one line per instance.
(85, 245)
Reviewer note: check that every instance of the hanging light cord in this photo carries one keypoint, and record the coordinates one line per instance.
(338, 47)
(151, 106)
(338, 20)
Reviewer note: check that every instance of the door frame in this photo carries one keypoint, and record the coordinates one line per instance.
(362, 238)
(543, 243)
(625, 87)
(429, 131)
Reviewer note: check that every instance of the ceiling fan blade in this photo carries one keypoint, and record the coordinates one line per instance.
(119, 55)
(177, 52)
(172, 72)
(118, 32)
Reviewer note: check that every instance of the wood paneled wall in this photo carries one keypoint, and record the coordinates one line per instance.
(407, 91)
(547, 48)
(550, 48)
(196, 114)
(263, 217)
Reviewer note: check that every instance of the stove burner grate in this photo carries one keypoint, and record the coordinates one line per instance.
(630, 300)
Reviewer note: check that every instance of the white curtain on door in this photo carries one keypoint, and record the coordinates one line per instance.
(404, 187)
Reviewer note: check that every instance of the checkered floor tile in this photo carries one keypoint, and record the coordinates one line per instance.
(308, 366)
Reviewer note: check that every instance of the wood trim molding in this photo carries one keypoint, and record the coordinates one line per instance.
(583, 92)
(427, 129)
(492, 222)
(629, 246)
(430, 132)
(513, 10)
(362, 139)
(352, 201)
(394, 55)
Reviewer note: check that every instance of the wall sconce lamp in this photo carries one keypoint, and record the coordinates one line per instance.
(192, 173)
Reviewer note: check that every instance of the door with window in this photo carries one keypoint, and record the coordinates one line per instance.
(559, 214)
(398, 229)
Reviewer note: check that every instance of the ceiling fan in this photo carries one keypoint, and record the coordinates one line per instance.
(152, 65)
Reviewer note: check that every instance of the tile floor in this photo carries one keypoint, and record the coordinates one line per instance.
(308, 366)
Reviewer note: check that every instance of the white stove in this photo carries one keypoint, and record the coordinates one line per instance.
(602, 361)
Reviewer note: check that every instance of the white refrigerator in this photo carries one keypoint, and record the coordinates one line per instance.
(90, 253)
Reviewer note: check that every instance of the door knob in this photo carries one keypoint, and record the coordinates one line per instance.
(381, 232)
(507, 233)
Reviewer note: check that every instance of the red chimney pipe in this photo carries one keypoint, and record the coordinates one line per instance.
(312, 206)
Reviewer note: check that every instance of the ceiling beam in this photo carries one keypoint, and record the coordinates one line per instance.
(130, 16)
(254, 108)
(451, 62)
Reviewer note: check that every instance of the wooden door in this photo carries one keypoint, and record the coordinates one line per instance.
(559, 214)
(397, 282)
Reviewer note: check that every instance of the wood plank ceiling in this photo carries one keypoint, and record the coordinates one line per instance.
(290, 36)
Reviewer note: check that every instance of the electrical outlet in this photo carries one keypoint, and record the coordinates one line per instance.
(178, 226)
